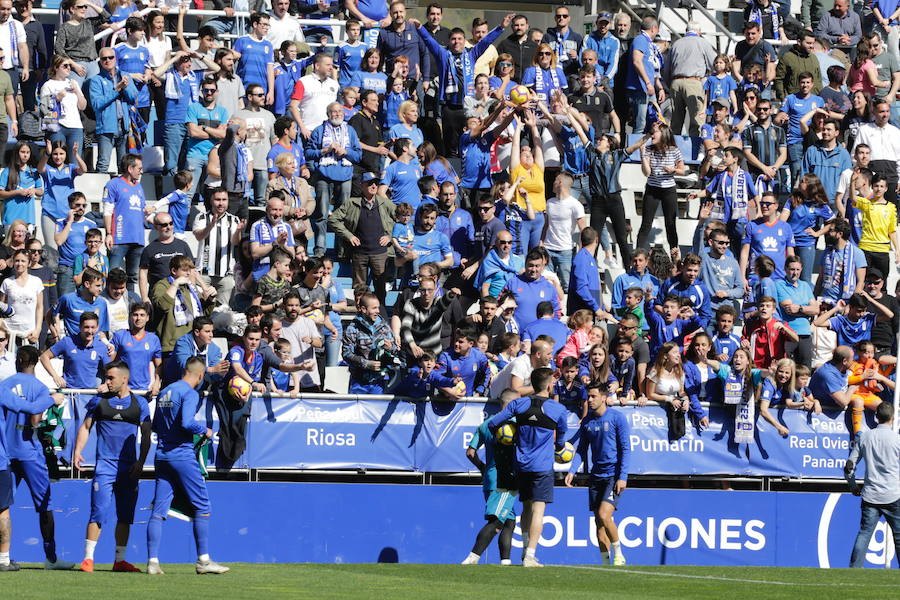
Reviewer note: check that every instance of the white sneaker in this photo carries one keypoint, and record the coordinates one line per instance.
(470, 560)
(505, 562)
(530, 561)
(619, 560)
(153, 568)
(59, 565)
(210, 567)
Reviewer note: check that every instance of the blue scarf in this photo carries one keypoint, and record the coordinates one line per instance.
(243, 168)
(493, 264)
(757, 12)
(839, 270)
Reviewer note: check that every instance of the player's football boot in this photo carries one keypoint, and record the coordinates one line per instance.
(210, 567)
(470, 560)
(619, 560)
(12, 566)
(153, 568)
(87, 565)
(123, 566)
(530, 561)
(59, 565)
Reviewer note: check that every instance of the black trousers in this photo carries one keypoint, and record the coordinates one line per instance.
(800, 351)
(652, 197)
(453, 120)
(610, 206)
(879, 260)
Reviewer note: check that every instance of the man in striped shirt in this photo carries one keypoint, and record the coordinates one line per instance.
(219, 234)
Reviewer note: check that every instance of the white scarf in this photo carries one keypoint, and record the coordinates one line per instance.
(173, 87)
(744, 418)
(338, 136)
(739, 197)
(184, 314)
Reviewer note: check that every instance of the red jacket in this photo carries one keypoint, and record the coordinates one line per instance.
(766, 342)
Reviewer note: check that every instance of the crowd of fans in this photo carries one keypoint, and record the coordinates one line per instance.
(475, 218)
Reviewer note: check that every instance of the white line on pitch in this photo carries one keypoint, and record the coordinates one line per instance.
(714, 578)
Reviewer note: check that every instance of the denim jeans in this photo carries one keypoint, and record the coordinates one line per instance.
(332, 350)
(581, 192)
(329, 194)
(106, 142)
(561, 263)
(174, 140)
(128, 257)
(64, 283)
(867, 523)
(221, 24)
(260, 181)
(795, 159)
(92, 68)
(895, 114)
(314, 39)
(531, 231)
(638, 101)
(71, 136)
(364, 388)
(808, 256)
(197, 166)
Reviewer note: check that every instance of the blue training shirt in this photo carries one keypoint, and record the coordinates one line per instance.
(74, 244)
(58, 182)
(137, 353)
(528, 294)
(607, 437)
(117, 440)
(21, 396)
(535, 444)
(256, 56)
(175, 422)
(71, 306)
(82, 364)
(128, 210)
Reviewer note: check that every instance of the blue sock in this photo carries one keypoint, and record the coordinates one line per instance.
(154, 536)
(50, 550)
(46, 522)
(201, 534)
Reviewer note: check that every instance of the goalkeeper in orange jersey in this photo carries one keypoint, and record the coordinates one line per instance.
(870, 375)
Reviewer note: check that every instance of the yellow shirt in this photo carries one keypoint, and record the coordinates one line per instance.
(879, 221)
(533, 183)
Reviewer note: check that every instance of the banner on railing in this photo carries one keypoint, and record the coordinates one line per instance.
(432, 437)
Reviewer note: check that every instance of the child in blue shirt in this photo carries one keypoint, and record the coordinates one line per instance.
(350, 97)
(391, 103)
(423, 381)
(402, 237)
(851, 320)
(724, 342)
(720, 84)
(178, 203)
(348, 56)
(623, 367)
(90, 257)
(568, 389)
(281, 381)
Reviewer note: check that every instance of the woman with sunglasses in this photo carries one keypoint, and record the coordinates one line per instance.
(25, 295)
(544, 76)
(502, 80)
(61, 101)
(75, 39)
(47, 276)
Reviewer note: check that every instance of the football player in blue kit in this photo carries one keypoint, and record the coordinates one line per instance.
(541, 425)
(26, 460)
(175, 425)
(605, 432)
(119, 415)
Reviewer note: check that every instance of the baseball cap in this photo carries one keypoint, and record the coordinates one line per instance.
(367, 177)
(724, 102)
(604, 16)
(874, 274)
(664, 35)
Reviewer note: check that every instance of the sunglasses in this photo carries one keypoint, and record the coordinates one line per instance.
(164, 225)
(92, 241)
(561, 16)
(874, 282)
(80, 6)
(626, 328)
(505, 242)
(257, 94)
(545, 53)
(35, 250)
(720, 242)
(108, 57)
(485, 208)
(4, 339)
(212, 91)
(767, 204)
(506, 64)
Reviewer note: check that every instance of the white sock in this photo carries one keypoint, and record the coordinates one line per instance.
(473, 556)
(529, 553)
(203, 558)
(153, 560)
(604, 557)
(89, 546)
(120, 553)
(4, 558)
(617, 546)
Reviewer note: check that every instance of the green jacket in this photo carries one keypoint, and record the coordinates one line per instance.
(344, 220)
(787, 73)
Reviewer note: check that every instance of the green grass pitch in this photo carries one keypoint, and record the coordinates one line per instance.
(453, 581)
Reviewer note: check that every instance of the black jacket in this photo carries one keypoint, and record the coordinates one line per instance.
(522, 54)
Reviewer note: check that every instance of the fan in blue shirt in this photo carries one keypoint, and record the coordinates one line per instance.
(84, 356)
(456, 224)
(606, 433)
(850, 320)
(430, 244)
(59, 181)
(466, 362)
(135, 60)
(124, 202)
(256, 56)
(348, 58)
(530, 289)
(767, 235)
(668, 326)
(20, 207)
(140, 349)
(686, 285)
(401, 178)
(86, 300)
(546, 323)
(178, 205)
(797, 105)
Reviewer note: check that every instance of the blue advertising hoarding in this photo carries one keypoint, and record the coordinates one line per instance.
(329, 523)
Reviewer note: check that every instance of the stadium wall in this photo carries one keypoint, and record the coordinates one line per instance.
(350, 523)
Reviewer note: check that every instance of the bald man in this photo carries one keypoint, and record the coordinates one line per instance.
(516, 375)
(829, 383)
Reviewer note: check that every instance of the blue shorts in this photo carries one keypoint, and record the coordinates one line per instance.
(183, 476)
(601, 489)
(501, 504)
(37, 478)
(102, 489)
(536, 487)
(6, 489)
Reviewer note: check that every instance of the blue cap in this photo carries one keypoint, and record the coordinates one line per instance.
(367, 177)
(605, 16)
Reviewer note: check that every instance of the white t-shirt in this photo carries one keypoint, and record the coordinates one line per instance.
(282, 30)
(9, 31)
(519, 366)
(302, 351)
(844, 182)
(562, 223)
(23, 300)
(666, 385)
(118, 312)
(69, 116)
